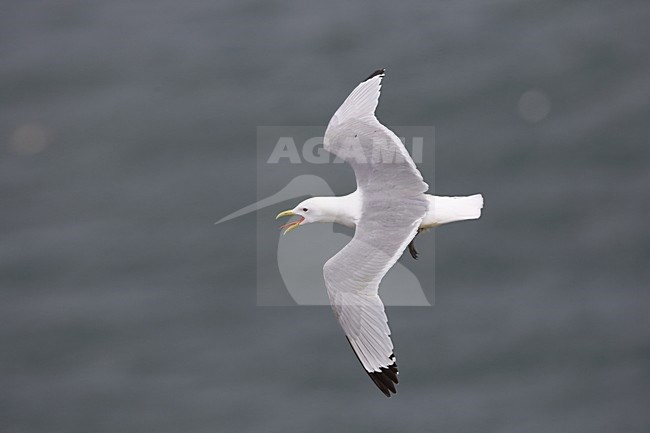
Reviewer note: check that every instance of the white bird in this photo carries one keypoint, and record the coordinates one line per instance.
(387, 210)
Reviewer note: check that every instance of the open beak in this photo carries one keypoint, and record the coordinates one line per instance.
(292, 225)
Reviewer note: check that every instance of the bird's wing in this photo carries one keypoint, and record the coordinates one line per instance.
(393, 205)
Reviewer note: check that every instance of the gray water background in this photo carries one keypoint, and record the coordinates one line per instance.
(128, 128)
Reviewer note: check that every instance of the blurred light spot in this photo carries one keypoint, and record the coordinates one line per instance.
(29, 139)
(534, 106)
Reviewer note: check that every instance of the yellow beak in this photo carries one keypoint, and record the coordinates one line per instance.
(285, 213)
(292, 225)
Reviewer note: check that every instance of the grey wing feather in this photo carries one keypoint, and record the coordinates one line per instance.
(393, 205)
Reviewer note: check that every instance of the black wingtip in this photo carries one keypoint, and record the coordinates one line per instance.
(386, 379)
(374, 74)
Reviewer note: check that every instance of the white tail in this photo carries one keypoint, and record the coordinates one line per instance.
(443, 210)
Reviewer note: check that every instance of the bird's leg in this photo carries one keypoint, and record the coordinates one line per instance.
(411, 246)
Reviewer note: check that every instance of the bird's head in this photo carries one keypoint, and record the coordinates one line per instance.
(308, 211)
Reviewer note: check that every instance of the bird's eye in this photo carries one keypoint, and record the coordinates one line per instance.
(304, 209)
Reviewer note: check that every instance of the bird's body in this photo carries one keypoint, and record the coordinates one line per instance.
(346, 209)
(387, 210)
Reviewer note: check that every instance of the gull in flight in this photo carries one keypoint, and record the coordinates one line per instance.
(387, 210)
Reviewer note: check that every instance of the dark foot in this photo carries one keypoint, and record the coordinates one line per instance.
(413, 251)
(411, 246)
